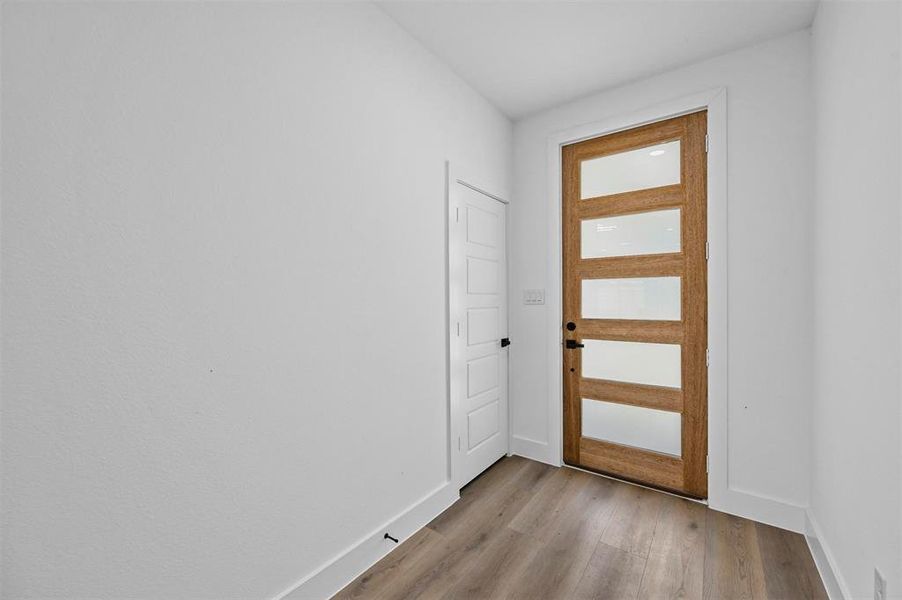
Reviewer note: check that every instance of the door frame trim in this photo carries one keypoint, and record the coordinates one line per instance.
(715, 101)
(454, 175)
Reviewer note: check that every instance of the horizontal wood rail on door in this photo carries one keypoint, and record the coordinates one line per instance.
(635, 394)
(660, 332)
(685, 473)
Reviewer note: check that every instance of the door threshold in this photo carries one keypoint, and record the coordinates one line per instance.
(647, 487)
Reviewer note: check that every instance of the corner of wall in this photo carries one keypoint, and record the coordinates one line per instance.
(770, 511)
(533, 450)
(836, 587)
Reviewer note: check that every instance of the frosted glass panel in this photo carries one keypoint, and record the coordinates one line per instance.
(633, 298)
(656, 232)
(633, 362)
(640, 169)
(635, 426)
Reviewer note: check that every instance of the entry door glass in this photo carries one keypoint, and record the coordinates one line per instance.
(631, 235)
(633, 362)
(657, 430)
(640, 169)
(631, 298)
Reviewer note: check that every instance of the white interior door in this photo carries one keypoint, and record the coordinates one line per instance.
(478, 331)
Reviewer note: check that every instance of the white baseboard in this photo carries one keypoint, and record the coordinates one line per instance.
(532, 449)
(341, 570)
(825, 560)
(752, 506)
(763, 509)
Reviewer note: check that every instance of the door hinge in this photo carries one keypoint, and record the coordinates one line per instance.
(707, 357)
(457, 214)
(458, 443)
(707, 463)
(458, 329)
(707, 250)
(706, 143)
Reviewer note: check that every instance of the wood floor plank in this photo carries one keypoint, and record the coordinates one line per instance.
(676, 558)
(534, 475)
(499, 569)
(632, 527)
(437, 569)
(733, 567)
(478, 519)
(553, 572)
(569, 538)
(547, 500)
(611, 574)
(525, 530)
(789, 570)
(586, 511)
(383, 575)
(494, 483)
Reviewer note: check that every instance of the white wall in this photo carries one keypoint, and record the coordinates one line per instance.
(855, 492)
(770, 285)
(223, 289)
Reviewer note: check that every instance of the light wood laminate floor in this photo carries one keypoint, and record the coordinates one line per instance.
(526, 530)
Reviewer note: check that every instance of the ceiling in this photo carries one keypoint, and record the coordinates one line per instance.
(528, 56)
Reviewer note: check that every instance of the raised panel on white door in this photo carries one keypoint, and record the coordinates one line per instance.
(482, 276)
(482, 227)
(482, 325)
(482, 375)
(482, 424)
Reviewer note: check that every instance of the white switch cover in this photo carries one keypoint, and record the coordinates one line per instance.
(533, 296)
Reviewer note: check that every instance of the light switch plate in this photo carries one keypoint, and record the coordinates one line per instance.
(533, 296)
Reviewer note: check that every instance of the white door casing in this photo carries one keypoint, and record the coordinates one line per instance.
(478, 369)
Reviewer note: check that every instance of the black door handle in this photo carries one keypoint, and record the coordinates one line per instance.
(573, 345)
(505, 342)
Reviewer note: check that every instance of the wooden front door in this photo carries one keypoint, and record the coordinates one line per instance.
(635, 304)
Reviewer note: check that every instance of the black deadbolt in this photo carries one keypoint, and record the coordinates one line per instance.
(571, 326)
